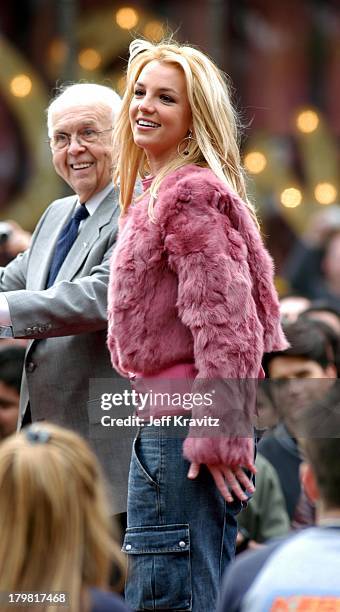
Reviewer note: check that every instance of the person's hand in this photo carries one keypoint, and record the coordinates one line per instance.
(18, 240)
(228, 479)
(245, 543)
(252, 545)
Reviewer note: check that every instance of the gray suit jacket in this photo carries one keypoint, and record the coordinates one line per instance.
(66, 325)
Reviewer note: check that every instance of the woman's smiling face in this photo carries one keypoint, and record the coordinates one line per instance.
(160, 112)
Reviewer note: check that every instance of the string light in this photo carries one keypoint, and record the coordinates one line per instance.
(154, 30)
(325, 193)
(307, 121)
(89, 59)
(21, 85)
(127, 18)
(58, 51)
(255, 162)
(291, 197)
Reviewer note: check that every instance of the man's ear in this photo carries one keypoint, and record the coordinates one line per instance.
(308, 482)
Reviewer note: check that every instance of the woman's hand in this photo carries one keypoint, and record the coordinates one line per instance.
(228, 479)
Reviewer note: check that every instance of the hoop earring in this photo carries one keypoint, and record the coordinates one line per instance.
(186, 151)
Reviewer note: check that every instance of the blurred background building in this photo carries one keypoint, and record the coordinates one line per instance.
(283, 59)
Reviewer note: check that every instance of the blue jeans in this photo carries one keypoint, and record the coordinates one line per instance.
(181, 533)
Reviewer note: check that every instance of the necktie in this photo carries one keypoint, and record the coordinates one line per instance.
(65, 241)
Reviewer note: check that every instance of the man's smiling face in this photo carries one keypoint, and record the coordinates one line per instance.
(86, 167)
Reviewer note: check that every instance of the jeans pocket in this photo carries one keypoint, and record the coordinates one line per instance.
(146, 457)
(159, 572)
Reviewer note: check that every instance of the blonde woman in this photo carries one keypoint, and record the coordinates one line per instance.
(191, 297)
(55, 533)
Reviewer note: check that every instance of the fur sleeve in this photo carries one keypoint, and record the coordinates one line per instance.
(112, 347)
(215, 293)
(216, 302)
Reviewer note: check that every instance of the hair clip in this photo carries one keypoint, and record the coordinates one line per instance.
(36, 435)
(138, 46)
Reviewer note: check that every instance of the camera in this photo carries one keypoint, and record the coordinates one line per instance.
(5, 232)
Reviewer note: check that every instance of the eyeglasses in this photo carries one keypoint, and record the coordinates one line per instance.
(61, 140)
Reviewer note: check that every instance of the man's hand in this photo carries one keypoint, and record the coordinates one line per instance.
(228, 479)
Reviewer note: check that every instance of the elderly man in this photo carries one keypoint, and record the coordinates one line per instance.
(54, 294)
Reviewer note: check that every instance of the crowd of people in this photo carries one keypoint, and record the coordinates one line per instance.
(154, 274)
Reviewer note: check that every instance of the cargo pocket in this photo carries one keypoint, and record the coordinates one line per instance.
(159, 573)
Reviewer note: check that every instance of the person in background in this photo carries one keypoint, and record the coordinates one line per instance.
(302, 571)
(322, 310)
(13, 240)
(11, 364)
(329, 321)
(55, 524)
(191, 298)
(55, 293)
(299, 375)
(266, 413)
(291, 306)
(265, 516)
(313, 268)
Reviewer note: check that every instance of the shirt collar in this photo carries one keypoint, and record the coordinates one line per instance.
(93, 202)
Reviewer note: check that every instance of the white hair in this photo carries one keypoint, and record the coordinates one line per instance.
(83, 94)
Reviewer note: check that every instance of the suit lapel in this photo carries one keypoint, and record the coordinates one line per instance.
(88, 235)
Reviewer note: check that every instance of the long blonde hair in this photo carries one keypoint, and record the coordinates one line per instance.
(215, 129)
(55, 528)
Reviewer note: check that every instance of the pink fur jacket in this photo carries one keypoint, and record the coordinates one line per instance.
(196, 286)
